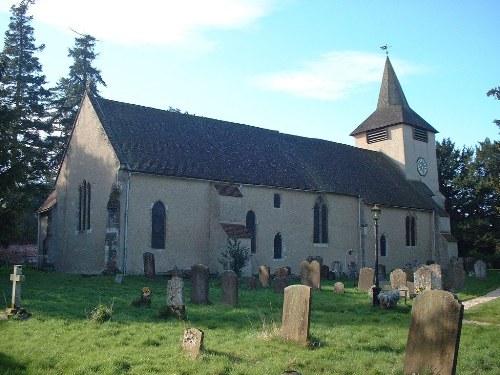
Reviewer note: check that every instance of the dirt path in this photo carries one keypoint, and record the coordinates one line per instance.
(486, 298)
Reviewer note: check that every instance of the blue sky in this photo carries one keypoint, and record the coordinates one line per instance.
(306, 67)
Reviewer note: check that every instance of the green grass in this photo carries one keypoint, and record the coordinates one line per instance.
(348, 336)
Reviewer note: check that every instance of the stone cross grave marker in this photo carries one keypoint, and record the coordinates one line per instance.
(192, 341)
(149, 265)
(366, 278)
(296, 313)
(398, 279)
(280, 281)
(175, 297)
(480, 269)
(229, 286)
(17, 278)
(199, 283)
(264, 274)
(434, 335)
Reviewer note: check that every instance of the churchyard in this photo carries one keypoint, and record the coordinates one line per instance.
(241, 330)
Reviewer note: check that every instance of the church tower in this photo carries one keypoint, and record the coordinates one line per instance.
(400, 133)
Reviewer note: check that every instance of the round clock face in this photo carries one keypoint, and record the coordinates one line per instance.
(421, 166)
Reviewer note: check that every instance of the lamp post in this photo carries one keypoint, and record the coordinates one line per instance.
(376, 289)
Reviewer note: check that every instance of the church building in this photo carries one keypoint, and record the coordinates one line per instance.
(138, 180)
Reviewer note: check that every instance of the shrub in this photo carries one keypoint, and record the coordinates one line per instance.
(102, 313)
(235, 257)
(389, 298)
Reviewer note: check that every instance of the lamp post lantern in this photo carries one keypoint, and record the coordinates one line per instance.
(376, 289)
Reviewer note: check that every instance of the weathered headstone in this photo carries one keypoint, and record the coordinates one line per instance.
(352, 271)
(199, 283)
(17, 278)
(296, 313)
(398, 278)
(456, 276)
(423, 279)
(382, 274)
(119, 278)
(251, 283)
(339, 287)
(434, 335)
(175, 297)
(469, 264)
(480, 269)
(264, 275)
(337, 269)
(436, 277)
(366, 277)
(325, 272)
(280, 281)
(409, 274)
(192, 341)
(229, 286)
(149, 265)
(310, 274)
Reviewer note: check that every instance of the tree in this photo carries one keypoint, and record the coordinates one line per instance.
(235, 257)
(23, 101)
(68, 92)
(495, 92)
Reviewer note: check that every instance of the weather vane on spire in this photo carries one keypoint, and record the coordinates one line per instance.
(386, 49)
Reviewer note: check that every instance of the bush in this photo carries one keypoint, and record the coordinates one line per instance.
(389, 298)
(102, 313)
(235, 257)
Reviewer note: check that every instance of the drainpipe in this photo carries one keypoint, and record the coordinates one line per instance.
(38, 247)
(125, 245)
(433, 231)
(361, 255)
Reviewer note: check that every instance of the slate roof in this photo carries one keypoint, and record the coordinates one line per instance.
(154, 141)
(392, 106)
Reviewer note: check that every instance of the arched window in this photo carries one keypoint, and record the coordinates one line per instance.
(383, 245)
(278, 246)
(251, 227)
(320, 228)
(411, 230)
(277, 201)
(158, 225)
(84, 206)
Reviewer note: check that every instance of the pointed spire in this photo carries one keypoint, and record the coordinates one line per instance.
(392, 107)
(391, 92)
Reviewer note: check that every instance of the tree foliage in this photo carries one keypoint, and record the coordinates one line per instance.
(23, 101)
(235, 257)
(68, 92)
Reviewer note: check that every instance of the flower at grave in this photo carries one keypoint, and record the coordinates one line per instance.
(419, 290)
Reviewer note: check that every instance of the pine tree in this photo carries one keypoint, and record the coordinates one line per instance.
(23, 120)
(69, 91)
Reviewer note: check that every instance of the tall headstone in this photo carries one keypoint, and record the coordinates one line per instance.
(480, 269)
(264, 275)
(382, 273)
(17, 278)
(423, 279)
(229, 286)
(366, 277)
(398, 278)
(434, 335)
(296, 313)
(436, 277)
(280, 281)
(192, 341)
(456, 276)
(175, 297)
(199, 283)
(149, 265)
(310, 274)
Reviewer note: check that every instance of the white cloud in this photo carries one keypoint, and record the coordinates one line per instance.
(155, 22)
(334, 76)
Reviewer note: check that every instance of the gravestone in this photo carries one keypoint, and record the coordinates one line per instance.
(382, 274)
(192, 341)
(175, 298)
(366, 277)
(409, 274)
(398, 278)
(337, 269)
(456, 276)
(352, 271)
(423, 279)
(119, 278)
(296, 313)
(469, 264)
(264, 275)
(251, 283)
(280, 280)
(480, 269)
(199, 283)
(149, 265)
(17, 278)
(339, 287)
(229, 286)
(310, 274)
(325, 272)
(434, 335)
(436, 277)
